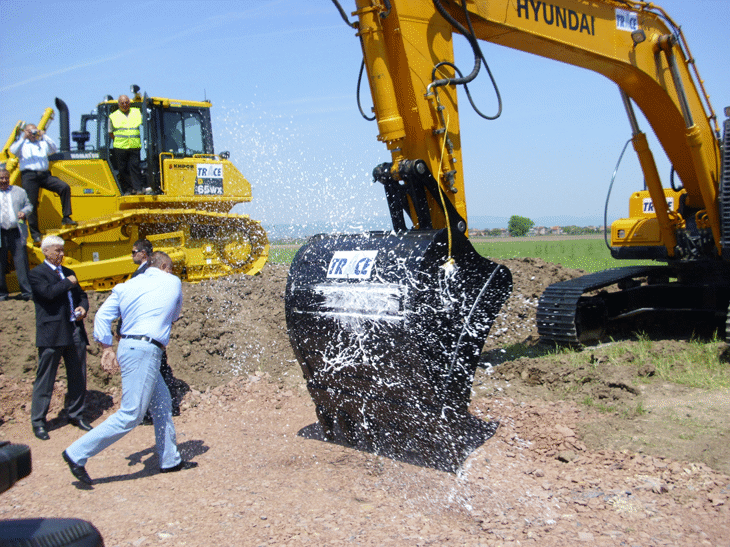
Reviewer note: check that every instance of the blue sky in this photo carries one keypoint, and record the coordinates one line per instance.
(282, 75)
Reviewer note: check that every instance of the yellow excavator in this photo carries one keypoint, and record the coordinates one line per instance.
(388, 326)
(186, 215)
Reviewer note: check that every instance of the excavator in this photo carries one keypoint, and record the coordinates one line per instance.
(388, 326)
(186, 213)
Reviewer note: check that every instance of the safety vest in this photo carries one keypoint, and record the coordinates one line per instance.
(126, 128)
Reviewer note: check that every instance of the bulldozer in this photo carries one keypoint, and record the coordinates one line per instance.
(187, 214)
(388, 326)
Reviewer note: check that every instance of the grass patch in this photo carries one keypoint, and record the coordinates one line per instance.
(692, 363)
(282, 255)
(685, 370)
(590, 255)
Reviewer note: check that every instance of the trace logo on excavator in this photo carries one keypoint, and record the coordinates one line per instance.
(555, 15)
(648, 205)
(352, 264)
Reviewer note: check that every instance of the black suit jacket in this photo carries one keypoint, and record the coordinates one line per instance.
(52, 308)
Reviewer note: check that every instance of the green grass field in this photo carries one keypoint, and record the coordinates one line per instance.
(282, 255)
(590, 255)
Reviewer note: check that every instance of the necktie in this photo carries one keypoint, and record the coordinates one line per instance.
(68, 293)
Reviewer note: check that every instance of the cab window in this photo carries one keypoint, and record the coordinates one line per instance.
(183, 133)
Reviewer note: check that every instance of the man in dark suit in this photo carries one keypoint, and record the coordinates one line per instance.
(60, 308)
(141, 253)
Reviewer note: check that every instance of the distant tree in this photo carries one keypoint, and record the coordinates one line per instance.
(519, 226)
(495, 232)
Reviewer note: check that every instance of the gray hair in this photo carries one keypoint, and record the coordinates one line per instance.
(50, 241)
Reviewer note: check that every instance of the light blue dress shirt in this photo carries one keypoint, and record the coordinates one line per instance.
(148, 305)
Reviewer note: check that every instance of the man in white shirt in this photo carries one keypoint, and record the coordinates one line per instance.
(148, 305)
(14, 208)
(32, 150)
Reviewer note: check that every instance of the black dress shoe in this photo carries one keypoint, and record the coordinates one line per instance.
(81, 423)
(78, 471)
(40, 432)
(67, 221)
(183, 465)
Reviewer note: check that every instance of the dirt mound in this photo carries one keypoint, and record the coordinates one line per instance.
(517, 321)
(235, 326)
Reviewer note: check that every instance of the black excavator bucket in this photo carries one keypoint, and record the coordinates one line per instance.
(388, 332)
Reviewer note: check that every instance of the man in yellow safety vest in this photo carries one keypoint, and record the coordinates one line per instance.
(124, 129)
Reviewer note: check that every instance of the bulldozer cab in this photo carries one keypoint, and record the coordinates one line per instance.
(171, 130)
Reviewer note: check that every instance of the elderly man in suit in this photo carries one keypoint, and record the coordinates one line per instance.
(60, 308)
(14, 209)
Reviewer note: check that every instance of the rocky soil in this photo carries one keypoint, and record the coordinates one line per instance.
(556, 472)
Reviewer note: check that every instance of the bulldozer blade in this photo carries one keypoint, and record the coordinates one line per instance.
(388, 328)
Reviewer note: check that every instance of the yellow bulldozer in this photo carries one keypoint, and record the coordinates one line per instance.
(187, 216)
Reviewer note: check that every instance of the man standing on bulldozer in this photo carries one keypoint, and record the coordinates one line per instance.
(32, 150)
(124, 130)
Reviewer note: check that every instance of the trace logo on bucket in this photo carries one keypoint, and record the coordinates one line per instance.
(352, 265)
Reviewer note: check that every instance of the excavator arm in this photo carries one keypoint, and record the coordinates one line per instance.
(388, 326)
(407, 47)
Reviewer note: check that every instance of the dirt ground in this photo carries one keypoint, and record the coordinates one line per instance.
(556, 472)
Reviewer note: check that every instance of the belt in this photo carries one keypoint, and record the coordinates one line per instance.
(145, 339)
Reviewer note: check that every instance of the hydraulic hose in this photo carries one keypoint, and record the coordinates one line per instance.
(608, 195)
(478, 58)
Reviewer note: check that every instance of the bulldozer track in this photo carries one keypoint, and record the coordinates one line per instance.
(227, 244)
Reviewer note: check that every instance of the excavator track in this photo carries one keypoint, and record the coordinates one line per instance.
(565, 317)
(202, 244)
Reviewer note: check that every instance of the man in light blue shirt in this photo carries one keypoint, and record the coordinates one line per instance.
(148, 304)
